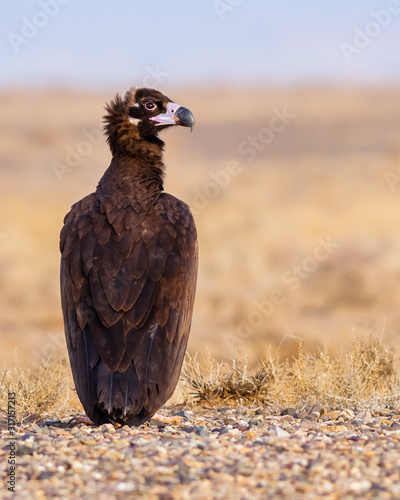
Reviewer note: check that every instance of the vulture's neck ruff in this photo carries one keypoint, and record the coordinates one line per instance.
(131, 126)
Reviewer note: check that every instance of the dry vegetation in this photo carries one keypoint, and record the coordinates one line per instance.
(39, 391)
(363, 379)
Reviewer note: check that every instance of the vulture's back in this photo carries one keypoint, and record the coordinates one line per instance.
(128, 279)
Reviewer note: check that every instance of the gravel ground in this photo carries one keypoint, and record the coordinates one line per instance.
(218, 452)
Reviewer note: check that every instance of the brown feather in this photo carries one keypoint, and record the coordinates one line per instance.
(88, 249)
(125, 245)
(98, 222)
(68, 239)
(166, 240)
(141, 310)
(107, 314)
(156, 260)
(109, 258)
(118, 287)
(135, 289)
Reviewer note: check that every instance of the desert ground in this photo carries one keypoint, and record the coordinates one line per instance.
(295, 195)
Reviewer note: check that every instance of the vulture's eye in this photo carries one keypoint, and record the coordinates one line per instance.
(150, 106)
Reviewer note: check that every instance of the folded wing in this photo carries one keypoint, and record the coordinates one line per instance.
(128, 281)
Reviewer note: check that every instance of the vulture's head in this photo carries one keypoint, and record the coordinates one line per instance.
(140, 116)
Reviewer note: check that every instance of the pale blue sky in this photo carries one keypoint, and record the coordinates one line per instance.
(103, 44)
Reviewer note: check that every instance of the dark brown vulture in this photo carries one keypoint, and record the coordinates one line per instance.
(129, 269)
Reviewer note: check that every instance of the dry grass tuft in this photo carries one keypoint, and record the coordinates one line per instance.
(40, 390)
(223, 380)
(363, 379)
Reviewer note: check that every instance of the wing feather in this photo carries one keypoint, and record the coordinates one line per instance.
(136, 286)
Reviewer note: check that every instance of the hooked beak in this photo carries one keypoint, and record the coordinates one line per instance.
(175, 115)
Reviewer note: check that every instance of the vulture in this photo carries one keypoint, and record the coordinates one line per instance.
(128, 269)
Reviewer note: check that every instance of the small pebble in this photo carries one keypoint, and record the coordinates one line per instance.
(202, 431)
(288, 411)
(106, 428)
(183, 413)
(279, 432)
(154, 422)
(287, 418)
(24, 450)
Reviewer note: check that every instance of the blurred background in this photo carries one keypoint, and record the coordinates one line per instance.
(292, 170)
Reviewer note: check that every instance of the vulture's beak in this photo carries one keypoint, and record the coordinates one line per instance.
(175, 115)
